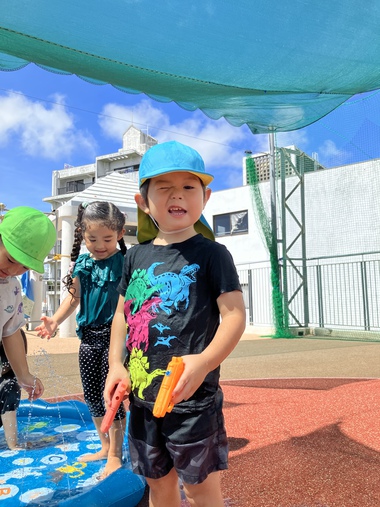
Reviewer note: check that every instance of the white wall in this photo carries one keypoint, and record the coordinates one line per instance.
(244, 248)
(342, 213)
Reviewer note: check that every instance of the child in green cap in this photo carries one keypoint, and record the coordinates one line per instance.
(179, 296)
(26, 238)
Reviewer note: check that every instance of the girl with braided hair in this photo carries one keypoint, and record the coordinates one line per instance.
(91, 282)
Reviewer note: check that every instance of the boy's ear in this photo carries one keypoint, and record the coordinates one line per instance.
(141, 203)
(206, 197)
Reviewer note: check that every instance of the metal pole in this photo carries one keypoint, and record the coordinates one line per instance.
(284, 243)
(272, 182)
(303, 240)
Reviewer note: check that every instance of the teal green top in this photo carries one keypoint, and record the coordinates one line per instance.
(98, 283)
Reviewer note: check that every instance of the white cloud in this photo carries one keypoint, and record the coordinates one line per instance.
(44, 131)
(329, 150)
(221, 145)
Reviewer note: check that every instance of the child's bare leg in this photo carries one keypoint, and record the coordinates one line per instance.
(115, 451)
(9, 420)
(206, 494)
(104, 440)
(164, 492)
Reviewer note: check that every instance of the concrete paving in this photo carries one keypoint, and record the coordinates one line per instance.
(302, 357)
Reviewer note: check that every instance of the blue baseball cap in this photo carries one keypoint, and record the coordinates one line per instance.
(172, 157)
(165, 158)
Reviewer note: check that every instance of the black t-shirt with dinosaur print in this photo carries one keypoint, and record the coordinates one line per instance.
(171, 310)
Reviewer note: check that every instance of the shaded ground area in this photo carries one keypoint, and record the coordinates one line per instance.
(306, 444)
(302, 443)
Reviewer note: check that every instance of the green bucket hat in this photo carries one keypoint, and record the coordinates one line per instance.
(165, 158)
(28, 236)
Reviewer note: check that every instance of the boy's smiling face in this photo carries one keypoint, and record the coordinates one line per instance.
(8, 265)
(176, 201)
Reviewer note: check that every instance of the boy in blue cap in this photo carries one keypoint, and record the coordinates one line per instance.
(26, 238)
(179, 296)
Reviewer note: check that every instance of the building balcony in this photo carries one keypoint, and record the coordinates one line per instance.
(73, 187)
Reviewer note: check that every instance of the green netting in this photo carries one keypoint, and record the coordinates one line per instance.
(274, 69)
(280, 317)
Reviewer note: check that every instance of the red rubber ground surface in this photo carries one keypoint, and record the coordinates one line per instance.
(302, 443)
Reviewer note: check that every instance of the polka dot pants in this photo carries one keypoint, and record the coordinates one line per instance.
(93, 366)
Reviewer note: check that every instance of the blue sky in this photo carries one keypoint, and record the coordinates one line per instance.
(48, 120)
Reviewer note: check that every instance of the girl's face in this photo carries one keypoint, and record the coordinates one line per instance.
(101, 241)
(8, 266)
(176, 201)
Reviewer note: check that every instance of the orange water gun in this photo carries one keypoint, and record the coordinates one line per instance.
(116, 400)
(164, 402)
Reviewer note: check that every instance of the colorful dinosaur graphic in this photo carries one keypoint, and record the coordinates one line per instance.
(173, 288)
(164, 340)
(139, 289)
(138, 368)
(160, 327)
(138, 324)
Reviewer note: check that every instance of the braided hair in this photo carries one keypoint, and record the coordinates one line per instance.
(104, 212)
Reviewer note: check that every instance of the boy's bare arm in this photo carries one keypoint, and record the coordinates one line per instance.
(230, 330)
(117, 351)
(15, 351)
(232, 326)
(14, 348)
(118, 335)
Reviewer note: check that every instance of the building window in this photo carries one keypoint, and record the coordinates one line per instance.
(129, 169)
(231, 223)
(72, 187)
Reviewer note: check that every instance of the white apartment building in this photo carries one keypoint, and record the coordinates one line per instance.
(112, 177)
(71, 181)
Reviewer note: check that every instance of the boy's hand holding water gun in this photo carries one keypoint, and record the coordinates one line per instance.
(118, 385)
(196, 367)
(116, 400)
(164, 402)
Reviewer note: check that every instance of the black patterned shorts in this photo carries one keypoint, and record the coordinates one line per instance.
(195, 444)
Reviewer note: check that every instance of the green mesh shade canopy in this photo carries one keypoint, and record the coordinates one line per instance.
(271, 65)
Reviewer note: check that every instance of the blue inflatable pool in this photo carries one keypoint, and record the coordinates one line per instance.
(49, 473)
